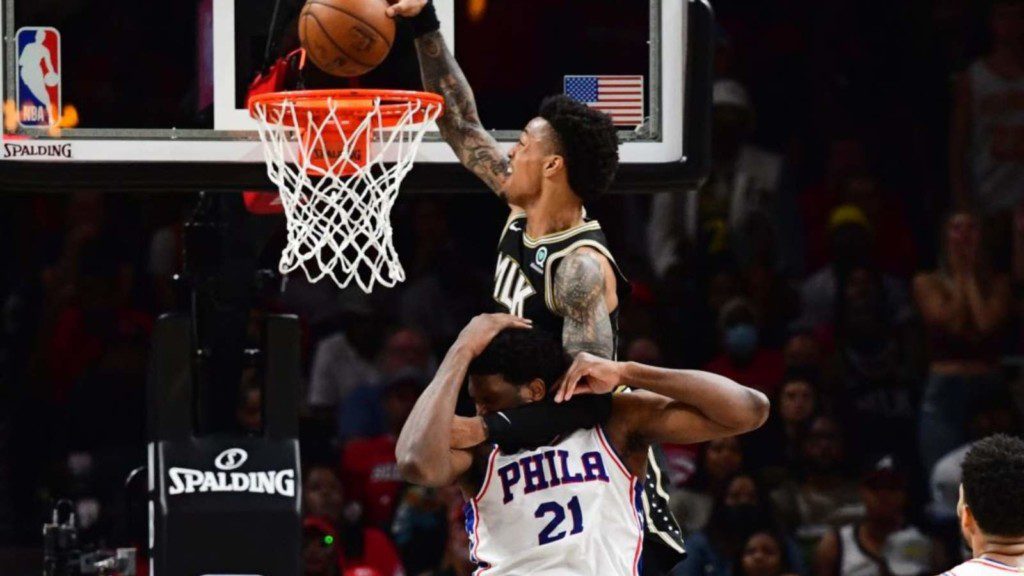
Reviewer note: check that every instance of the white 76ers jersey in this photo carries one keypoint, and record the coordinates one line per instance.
(570, 509)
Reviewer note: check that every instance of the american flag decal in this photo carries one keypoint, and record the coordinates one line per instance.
(621, 97)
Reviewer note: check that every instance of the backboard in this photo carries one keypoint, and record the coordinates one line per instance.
(126, 95)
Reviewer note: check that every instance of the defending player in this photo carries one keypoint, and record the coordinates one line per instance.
(991, 507)
(572, 507)
(554, 265)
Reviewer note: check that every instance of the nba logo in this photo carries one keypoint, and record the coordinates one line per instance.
(39, 70)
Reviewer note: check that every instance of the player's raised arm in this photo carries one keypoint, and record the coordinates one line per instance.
(677, 406)
(460, 125)
(579, 296)
(423, 450)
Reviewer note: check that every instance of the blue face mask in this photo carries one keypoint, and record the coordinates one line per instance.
(741, 340)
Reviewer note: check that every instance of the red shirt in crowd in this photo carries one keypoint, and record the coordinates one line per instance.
(75, 346)
(369, 472)
(379, 557)
(765, 372)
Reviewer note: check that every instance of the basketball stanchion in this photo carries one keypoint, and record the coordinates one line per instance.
(338, 158)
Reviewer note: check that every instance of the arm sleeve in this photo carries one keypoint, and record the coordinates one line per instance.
(538, 423)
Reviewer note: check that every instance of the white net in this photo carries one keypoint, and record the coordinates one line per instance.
(338, 205)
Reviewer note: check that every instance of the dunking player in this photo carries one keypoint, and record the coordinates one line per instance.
(991, 508)
(572, 507)
(554, 266)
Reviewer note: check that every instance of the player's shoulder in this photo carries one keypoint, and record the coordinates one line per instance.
(982, 567)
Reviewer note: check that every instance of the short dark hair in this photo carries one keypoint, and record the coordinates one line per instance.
(993, 480)
(520, 356)
(588, 142)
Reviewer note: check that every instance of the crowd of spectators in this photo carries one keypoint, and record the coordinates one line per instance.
(831, 261)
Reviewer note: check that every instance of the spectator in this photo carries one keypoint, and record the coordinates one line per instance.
(803, 352)
(406, 351)
(339, 366)
(420, 529)
(368, 548)
(764, 554)
(776, 445)
(739, 511)
(873, 367)
(744, 178)
(457, 560)
(774, 299)
(368, 465)
(443, 293)
(850, 242)
(320, 555)
(744, 358)
(717, 462)
(964, 306)
(249, 414)
(100, 313)
(987, 137)
(822, 496)
(884, 543)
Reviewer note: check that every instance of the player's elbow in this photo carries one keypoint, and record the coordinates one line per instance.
(419, 471)
(756, 412)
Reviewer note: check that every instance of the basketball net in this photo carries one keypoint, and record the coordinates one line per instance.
(338, 159)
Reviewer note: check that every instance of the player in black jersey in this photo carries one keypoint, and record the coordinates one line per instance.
(554, 266)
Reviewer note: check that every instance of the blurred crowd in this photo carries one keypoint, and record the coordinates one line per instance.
(857, 254)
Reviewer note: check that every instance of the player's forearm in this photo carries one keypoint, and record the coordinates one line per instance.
(718, 398)
(423, 450)
(460, 125)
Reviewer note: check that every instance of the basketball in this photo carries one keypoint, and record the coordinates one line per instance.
(346, 37)
(51, 79)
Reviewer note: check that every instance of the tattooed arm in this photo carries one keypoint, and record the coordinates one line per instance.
(579, 296)
(460, 125)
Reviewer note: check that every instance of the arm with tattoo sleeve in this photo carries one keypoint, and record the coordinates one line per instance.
(460, 125)
(579, 289)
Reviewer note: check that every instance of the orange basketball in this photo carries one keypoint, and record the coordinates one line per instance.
(346, 37)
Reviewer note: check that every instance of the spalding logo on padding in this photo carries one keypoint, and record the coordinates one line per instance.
(269, 482)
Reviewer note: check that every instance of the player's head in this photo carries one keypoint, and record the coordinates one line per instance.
(41, 36)
(991, 506)
(567, 146)
(518, 367)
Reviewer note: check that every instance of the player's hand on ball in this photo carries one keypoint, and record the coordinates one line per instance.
(483, 328)
(405, 8)
(589, 374)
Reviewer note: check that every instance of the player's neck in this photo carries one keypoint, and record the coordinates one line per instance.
(1004, 550)
(552, 214)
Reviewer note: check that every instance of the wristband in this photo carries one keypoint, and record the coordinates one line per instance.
(539, 423)
(426, 21)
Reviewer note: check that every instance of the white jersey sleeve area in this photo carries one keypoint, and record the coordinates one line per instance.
(563, 510)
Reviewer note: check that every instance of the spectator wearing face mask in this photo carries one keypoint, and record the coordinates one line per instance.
(739, 511)
(743, 357)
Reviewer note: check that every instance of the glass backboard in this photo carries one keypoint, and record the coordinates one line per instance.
(154, 93)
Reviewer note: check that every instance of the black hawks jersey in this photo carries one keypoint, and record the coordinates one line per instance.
(525, 273)
(523, 285)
